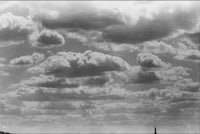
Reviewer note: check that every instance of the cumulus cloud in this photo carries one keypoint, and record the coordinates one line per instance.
(187, 85)
(155, 25)
(147, 60)
(73, 64)
(35, 58)
(87, 17)
(188, 55)
(142, 77)
(158, 47)
(173, 74)
(16, 8)
(15, 29)
(94, 87)
(139, 75)
(47, 39)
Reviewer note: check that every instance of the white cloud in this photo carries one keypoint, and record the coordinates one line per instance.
(188, 55)
(147, 60)
(156, 47)
(33, 59)
(15, 29)
(16, 8)
(73, 64)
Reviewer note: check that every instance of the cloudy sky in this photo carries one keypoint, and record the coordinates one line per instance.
(100, 66)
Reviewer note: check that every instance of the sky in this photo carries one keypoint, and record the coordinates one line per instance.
(100, 66)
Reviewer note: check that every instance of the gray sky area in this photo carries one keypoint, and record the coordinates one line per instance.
(100, 66)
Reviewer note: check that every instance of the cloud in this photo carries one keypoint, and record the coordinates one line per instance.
(47, 39)
(26, 93)
(158, 47)
(194, 37)
(2, 60)
(6, 109)
(147, 60)
(48, 82)
(87, 17)
(142, 77)
(62, 82)
(4, 73)
(170, 102)
(181, 91)
(163, 22)
(72, 64)
(188, 55)
(139, 75)
(15, 29)
(173, 74)
(3, 69)
(35, 58)
(98, 80)
(94, 39)
(187, 85)
(63, 105)
(16, 8)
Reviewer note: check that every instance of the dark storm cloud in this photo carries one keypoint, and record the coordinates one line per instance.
(147, 60)
(85, 16)
(73, 64)
(35, 58)
(47, 38)
(15, 29)
(162, 24)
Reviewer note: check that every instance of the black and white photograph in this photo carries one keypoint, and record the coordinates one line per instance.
(99, 67)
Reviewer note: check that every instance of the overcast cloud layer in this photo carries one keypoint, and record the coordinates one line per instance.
(100, 66)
